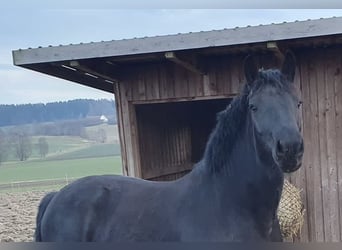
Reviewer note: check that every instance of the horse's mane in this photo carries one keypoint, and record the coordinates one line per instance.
(229, 123)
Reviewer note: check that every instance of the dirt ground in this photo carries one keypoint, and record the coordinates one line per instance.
(18, 214)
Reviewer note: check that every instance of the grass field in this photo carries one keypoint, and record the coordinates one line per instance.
(68, 157)
(95, 150)
(73, 168)
(60, 146)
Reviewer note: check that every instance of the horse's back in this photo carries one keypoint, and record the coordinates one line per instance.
(99, 208)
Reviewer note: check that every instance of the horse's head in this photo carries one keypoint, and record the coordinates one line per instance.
(274, 112)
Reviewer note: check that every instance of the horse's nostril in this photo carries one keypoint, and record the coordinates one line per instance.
(301, 148)
(281, 150)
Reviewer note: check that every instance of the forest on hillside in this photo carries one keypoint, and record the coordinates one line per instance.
(56, 111)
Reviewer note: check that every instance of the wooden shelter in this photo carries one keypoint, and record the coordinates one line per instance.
(168, 90)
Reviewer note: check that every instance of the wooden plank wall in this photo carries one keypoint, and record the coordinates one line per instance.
(165, 142)
(167, 81)
(320, 79)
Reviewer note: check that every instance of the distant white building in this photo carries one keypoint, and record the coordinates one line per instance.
(103, 118)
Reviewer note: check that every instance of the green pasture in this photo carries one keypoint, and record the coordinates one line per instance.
(93, 150)
(58, 145)
(72, 146)
(69, 157)
(59, 169)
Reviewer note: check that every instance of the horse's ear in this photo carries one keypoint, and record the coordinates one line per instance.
(251, 69)
(289, 66)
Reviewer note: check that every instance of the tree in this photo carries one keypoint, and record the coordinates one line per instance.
(22, 145)
(3, 146)
(101, 135)
(43, 147)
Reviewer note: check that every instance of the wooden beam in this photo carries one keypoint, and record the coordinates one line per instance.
(91, 72)
(273, 46)
(57, 70)
(130, 134)
(185, 99)
(172, 57)
(121, 129)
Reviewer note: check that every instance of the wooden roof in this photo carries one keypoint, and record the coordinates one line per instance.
(63, 61)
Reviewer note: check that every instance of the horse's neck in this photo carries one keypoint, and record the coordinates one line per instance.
(235, 170)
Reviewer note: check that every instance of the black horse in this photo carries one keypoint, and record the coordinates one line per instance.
(232, 194)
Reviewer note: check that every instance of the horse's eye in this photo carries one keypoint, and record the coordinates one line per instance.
(299, 104)
(253, 107)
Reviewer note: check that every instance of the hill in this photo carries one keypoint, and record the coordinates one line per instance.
(55, 111)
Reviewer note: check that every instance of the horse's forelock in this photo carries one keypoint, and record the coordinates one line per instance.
(273, 78)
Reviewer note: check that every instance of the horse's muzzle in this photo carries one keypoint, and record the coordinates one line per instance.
(289, 154)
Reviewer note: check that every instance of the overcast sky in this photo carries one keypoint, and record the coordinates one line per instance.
(23, 28)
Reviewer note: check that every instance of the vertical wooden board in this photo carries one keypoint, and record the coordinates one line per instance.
(169, 150)
(121, 129)
(142, 140)
(155, 141)
(237, 74)
(317, 209)
(159, 146)
(167, 158)
(227, 75)
(321, 94)
(129, 90)
(206, 85)
(151, 82)
(162, 146)
(141, 85)
(307, 158)
(145, 152)
(156, 77)
(130, 134)
(299, 177)
(198, 86)
(187, 144)
(134, 139)
(223, 86)
(213, 85)
(209, 80)
(174, 147)
(181, 82)
(171, 80)
(154, 146)
(133, 77)
(163, 82)
(338, 110)
(179, 145)
(195, 85)
(330, 68)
